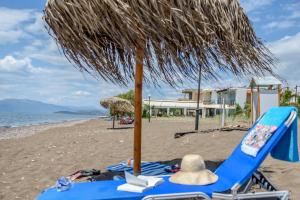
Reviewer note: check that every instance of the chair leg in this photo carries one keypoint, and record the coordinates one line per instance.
(258, 178)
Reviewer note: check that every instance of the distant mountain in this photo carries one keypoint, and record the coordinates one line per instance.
(36, 107)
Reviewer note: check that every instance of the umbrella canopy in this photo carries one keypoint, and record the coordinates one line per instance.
(117, 105)
(175, 35)
(170, 39)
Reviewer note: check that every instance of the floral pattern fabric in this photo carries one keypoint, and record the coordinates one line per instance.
(257, 138)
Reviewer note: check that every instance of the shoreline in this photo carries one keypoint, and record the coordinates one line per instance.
(22, 131)
(50, 122)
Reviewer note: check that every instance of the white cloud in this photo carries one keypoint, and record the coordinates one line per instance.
(293, 10)
(81, 93)
(10, 64)
(282, 24)
(289, 17)
(287, 50)
(11, 18)
(35, 69)
(38, 25)
(38, 70)
(250, 5)
(12, 36)
(53, 59)
(45, 50)
(27, 27)
(10, 24)
(15, 24)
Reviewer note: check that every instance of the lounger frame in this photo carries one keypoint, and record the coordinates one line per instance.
(237, 191)
(198, 195)
(282, 195)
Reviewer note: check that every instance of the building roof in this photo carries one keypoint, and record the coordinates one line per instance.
(267, 80)
(180, 104)
(189, 90)
(231, 89)
(196, 90)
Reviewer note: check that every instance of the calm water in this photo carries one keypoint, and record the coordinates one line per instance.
(9, 119)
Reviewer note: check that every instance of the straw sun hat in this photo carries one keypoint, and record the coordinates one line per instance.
(193, 172)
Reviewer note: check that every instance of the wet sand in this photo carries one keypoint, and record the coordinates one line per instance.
(37, 156)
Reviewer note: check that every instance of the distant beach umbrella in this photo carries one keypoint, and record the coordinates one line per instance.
(117, 106)
(170, 39)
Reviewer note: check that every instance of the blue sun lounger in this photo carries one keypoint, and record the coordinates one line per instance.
(236, 171)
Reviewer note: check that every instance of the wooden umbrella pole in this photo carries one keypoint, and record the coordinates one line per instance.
(138, 111)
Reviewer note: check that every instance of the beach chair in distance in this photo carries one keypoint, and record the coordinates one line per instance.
(126, 120)
(236, 174)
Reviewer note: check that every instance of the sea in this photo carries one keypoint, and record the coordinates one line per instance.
(13, 119)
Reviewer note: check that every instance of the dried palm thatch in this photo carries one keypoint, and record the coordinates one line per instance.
(117, 106)
(176, 36)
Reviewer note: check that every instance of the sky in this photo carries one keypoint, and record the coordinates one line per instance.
(32, 67)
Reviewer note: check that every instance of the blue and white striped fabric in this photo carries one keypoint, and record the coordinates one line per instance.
(147, 168)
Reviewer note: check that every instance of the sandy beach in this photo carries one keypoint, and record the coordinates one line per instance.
(32, 158)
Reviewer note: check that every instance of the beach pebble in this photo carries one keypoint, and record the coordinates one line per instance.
(22, 178)
(121, 141)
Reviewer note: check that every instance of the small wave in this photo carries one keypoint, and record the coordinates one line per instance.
(15, 120)
(5, 126)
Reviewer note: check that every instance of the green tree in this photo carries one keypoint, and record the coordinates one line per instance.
(145, 113)
(247, 110)
(238, 110)
(128, 96)
(286, 98)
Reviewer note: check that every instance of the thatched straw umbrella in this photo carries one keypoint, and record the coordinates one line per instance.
(117, 106)
(115, 39)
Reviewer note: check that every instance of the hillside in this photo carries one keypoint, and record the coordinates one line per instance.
(37, 107)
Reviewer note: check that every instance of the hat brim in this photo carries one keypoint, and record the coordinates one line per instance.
(203, 177)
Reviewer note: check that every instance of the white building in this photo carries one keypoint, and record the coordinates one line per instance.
(265, 92)
(234, 96)
(210, 102)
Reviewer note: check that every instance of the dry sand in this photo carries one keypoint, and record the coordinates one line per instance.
(32, 163)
